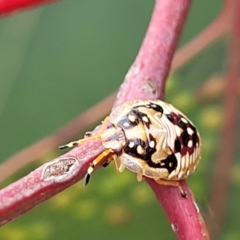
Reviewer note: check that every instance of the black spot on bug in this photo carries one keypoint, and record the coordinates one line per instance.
(153, 106)
(125, 123)
(132, 151)
(147, 150)
(170, 118)
(185, 137)
(156, 107)
(182, 124)
(177, 145)
(195, 138)
(170, 163)
(140, 116)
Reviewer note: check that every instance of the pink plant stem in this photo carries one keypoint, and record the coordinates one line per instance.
(46, 181)
(145, 80)
(147, 76)
(8, 6)
(216, 29)
(184, 215)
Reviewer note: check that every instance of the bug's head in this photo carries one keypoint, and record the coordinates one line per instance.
(113, 138)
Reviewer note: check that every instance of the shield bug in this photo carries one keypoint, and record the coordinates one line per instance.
(149, 137)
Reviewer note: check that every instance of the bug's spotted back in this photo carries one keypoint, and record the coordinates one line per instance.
(161, 142)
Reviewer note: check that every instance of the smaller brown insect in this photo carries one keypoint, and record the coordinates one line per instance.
(150, 138)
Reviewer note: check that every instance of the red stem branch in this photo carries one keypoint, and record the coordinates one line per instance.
(145, 80)
(9, 6)
(46, 181)
(215, 30)
(147, 76)
(183, 214)
(221, 179)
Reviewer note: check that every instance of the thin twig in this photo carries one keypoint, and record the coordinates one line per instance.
(214, 31)
(46, 181)
(9, 6)
(221, 179)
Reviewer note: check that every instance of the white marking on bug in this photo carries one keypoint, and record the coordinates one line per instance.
(178, 131)
(190, 143)
(180, 174)
(183, 163)
(152, 144)
(172, 174)
(131, 144)
(145, 119)
(140, 149)
(188, 159)
(191, 159)
(184, 120)
(178, 156)
(132, 118)
(195, 155)
(166, 111)
(190, 131)
(126, 124)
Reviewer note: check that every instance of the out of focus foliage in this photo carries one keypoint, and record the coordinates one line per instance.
(57, 61)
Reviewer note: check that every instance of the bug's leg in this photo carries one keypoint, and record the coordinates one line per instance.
(94, 137)
(118, 164)
(106, 164)
(172, 183)
(96, 162)
(139, 177)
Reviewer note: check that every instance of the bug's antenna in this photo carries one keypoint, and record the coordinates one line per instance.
(78, 142)
(88, 136)
(69, 145)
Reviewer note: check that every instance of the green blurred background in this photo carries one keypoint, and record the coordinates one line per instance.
(59, 60)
